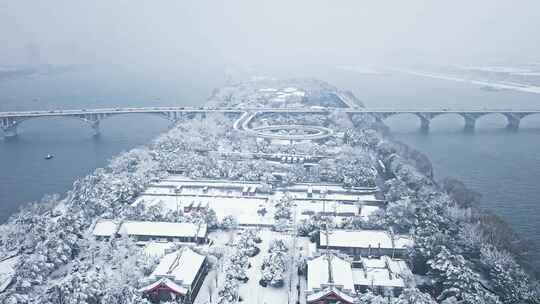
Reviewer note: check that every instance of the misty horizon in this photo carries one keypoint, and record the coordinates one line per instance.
(250, 33)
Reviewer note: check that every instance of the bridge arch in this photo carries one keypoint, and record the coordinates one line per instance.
(91, 119)
(442, 120)
(530, 121)
(19, 121)
(16, 122)
(397, 119)
(492, 120)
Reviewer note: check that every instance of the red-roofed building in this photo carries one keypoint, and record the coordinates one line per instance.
(328, 296)
(179, 275)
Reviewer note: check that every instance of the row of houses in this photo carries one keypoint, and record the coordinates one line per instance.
(142, 231)
(366, 243)
(180, 185)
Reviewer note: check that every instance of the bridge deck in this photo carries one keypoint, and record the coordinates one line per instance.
(261, 110)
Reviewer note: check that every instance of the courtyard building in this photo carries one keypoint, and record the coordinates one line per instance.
(142, 231)
(366, 243)
(178, 276)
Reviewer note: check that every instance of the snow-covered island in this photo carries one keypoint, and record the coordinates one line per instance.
(282, 207)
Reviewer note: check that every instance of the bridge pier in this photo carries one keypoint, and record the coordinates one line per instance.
(424, 123)
(95, 128)
(470, 123)
(172, 124)
(513, 122)
(9, 127)
(10, 132)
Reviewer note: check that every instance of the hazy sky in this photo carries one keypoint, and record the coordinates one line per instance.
(268, 32)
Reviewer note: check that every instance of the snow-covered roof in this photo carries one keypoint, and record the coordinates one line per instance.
(105, 228)
(366, 239)
(367, 210)
(163, 229)
(157, 249)
(162, 284)
(318, 274)
(383, 271)
(180, 266)
(329, 292)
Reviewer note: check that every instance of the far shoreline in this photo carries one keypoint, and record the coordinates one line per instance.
(495, 85)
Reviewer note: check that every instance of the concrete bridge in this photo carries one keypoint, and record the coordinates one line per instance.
(9, 121)
(470, 116)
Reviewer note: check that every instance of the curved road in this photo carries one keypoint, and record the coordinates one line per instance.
(242, 124)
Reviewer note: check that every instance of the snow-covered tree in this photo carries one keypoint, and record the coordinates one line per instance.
(274, 265)
(228, 293)
(284, 207)
(246, 242)
(370, 298)
(509, 280)
(400, 215)
(414, 296)
(458, 281)
(229, 222)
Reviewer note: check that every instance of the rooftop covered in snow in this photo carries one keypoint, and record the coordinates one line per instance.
(180, 266)
(163, 229)
(318, 274)
(105, 228)
(383, 271)
(366, 239)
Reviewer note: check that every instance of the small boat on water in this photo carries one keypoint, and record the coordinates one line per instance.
(49, 156)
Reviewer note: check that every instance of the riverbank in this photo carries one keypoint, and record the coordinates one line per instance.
(487, 84)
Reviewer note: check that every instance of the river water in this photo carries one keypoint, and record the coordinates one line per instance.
(503, 166)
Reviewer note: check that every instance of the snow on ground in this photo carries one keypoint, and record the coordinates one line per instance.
(251, 292)
(7, 270)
